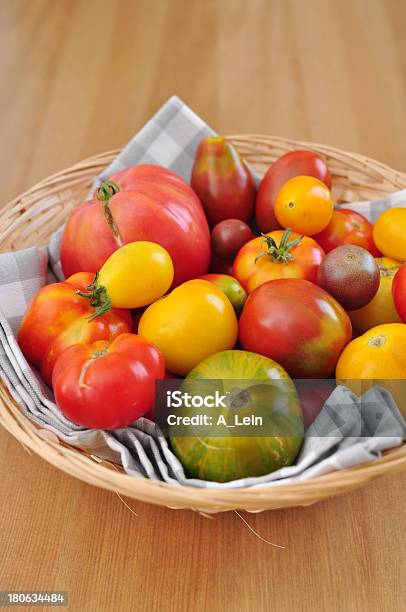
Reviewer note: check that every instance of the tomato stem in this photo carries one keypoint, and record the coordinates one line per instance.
(98, 297)
(104, 193)
(281, 253)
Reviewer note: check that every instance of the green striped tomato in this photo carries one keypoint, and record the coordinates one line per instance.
(262, 387)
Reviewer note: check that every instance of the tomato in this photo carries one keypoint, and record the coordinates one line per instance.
(228, 236)
(390, 233)
(222, 181)
(305, 204)
(135, 275)
(347, 227)
(294, 163)
(297, 324)
(376, 357)
(313, 394)
(58, 317)
(230, 287)
(194, 321)
(145, 202)
(381, 308)
(351, 275)
(107, 385)
(258, 386)
(279, 254)
(399, 291)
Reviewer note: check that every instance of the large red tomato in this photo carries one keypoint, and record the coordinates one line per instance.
(399, 291)
(145, 202)
(279, 254)
(298, 325)
(107, 385)
(347, 227)
(57, 318)
(294, 163)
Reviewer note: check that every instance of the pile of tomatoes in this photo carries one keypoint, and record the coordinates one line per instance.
(162, 275)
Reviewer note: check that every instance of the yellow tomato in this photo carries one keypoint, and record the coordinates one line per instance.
(376, 357)
(194, 321)
(381, 309)
(390, 233)
(135, 275)
(304, 204)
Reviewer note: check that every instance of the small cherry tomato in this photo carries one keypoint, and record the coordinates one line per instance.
(347, 227)
(279, 254)
(351, 275)
(228, 236)
(399, 291)
(106, 385)
(305, 204)
(390, 233)
(381, 308)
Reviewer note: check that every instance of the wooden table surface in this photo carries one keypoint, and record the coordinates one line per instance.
(80, 77)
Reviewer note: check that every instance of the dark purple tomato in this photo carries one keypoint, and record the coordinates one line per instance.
(228, 236)
(351, 275)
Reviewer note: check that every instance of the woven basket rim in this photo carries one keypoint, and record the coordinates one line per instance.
(85, 467)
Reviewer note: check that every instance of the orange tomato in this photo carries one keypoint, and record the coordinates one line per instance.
(305, 204)
(390, 233)
(378, 357)
(279, 254)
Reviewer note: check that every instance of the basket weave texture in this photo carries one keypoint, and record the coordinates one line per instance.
(31, 218)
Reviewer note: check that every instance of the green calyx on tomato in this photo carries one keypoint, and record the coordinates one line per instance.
(282, 252)
(98, 297)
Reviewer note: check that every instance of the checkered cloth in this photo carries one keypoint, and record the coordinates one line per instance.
(348, 431)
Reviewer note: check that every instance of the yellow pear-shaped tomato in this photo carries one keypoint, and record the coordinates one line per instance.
(194, 321)
(136, 274)
(376, 357)
(381, 309)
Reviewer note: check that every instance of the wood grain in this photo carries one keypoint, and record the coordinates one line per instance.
(79, 77)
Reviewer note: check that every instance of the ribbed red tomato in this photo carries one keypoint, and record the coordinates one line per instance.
(145, 202)
(294, 163)
(106, 385)
(297, 324)
(57, 318)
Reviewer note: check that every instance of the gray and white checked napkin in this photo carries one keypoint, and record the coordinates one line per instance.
(348, 431)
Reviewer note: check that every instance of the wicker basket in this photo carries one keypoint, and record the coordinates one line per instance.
(32, 217)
